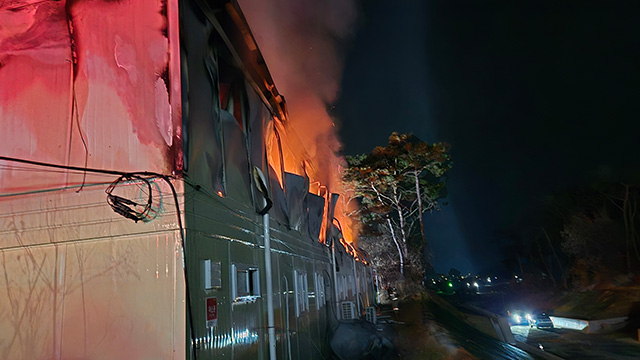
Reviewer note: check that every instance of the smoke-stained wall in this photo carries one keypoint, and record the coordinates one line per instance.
(88, 83)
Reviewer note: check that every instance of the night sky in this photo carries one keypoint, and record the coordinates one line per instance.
(533, 97)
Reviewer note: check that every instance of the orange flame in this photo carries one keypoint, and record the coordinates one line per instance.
(309, 76)
(285, 152)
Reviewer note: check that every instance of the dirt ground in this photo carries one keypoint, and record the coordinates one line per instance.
(418, 338)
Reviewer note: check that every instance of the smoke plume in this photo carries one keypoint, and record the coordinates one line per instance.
(300, 41)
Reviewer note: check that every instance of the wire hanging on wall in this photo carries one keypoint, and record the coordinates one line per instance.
(134, 206)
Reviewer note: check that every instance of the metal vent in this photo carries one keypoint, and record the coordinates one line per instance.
(371, 314)
(211, 274)
(348, 310)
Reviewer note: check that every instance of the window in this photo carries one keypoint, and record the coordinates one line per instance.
(231, 87)
(351, 286)
(319, 294)
(344, 288)
(245, 283)
(301, 288)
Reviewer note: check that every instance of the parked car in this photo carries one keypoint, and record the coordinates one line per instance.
(518, 317)
(540, 321)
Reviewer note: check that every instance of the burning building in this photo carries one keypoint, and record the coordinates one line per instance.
(154, 202)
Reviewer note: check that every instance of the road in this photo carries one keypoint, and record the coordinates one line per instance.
(475, 342)
(572, 344)
(565, 343)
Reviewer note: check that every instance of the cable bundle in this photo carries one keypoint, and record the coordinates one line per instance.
(129, 208)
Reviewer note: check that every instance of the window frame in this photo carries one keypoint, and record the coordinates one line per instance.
(250, 282)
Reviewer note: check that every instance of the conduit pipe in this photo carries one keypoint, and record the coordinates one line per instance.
(356, 284)
(261, 182)
(286, 315)
(267, 264)
(335, 278)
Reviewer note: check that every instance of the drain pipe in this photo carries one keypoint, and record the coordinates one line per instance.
(286, 315)
(267, 264)
(377, 289)
(335, 278)
(267, 203)
(356, 283)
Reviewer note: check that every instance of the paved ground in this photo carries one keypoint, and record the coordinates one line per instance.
(572, 344)
(430, 330)
(433, 329)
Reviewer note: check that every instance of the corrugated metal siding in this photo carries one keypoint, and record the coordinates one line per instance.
(79, 281)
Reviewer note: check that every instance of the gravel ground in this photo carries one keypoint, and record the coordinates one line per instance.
(416, 336)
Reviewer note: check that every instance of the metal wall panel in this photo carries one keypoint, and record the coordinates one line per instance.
(78, 280)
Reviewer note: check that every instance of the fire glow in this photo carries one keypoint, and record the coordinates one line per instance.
(308, 76)
(103, 86)
(323, 180)
(89, 91)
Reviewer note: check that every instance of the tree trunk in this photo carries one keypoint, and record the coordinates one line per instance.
(627, 236)
(395, 240)
(420, 211)
(520, 264)
(555, 255)
(632, 224)
(393, 233)
(403, 234)
(553, 278)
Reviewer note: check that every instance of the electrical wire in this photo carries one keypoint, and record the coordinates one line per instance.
(129, 208)
(82, 137)
(26, 169)
(178, 213)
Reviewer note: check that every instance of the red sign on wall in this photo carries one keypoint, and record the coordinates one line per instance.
(212, 312)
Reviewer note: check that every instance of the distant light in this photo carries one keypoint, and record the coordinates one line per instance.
(450, 285)
(220, 193)
(476, 284)
(488, 279)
